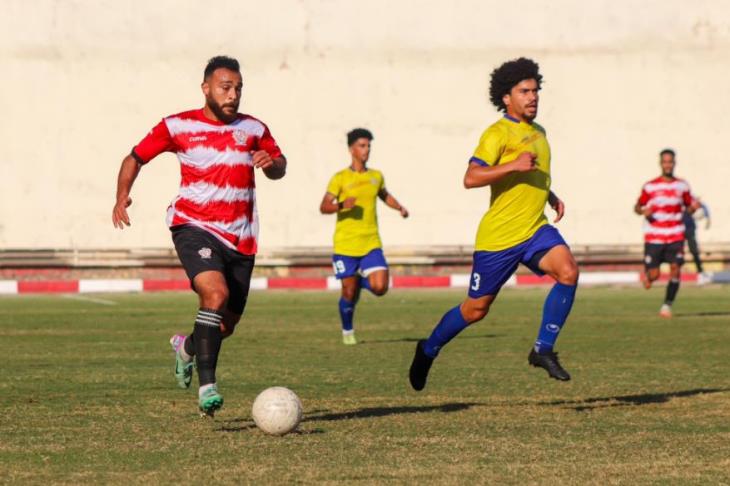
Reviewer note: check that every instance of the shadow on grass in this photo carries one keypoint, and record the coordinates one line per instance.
(589, 404)
(704, 314)
(243, 424)
(369, 412)
(414, 339)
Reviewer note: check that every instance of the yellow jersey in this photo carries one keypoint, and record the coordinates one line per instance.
(356, 230)
(517, 203)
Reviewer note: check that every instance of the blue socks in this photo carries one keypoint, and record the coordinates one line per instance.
(452, 323)
(557, 307)
(365, 284)
(347, 309)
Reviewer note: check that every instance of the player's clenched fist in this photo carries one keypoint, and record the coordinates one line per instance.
(261, 159)
(525, 162)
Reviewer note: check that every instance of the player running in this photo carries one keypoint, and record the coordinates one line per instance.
(213, 219)
(662, 202)
(513, 158)
(358, 259)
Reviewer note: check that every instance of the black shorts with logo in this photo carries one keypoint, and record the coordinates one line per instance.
(655, 254)
(200, 251)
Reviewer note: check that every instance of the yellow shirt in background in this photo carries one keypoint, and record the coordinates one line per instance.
(517, 204)
(356, 231)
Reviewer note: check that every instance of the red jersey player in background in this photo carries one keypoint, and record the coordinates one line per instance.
(213, 219)
(662, 202)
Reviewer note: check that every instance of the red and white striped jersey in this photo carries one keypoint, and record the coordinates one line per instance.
(667, 200)
(217, 186)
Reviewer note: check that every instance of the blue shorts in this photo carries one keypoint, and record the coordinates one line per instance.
(492, 269)
(348, 266)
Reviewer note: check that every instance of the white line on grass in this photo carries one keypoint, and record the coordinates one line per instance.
(89, 299)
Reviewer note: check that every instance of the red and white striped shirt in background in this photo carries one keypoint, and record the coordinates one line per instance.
(667, 200)
(217, 187)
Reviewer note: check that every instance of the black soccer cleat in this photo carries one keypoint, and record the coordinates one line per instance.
(420, 366)
(549, 362)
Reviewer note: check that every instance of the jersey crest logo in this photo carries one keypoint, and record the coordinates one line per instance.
(374, 181)
(240, 136)
(205, 253)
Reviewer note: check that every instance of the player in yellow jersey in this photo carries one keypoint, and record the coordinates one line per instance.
(513, 158)
(358, 259)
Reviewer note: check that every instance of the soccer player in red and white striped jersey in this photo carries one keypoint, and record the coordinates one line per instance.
(662, 202)
(213, 219)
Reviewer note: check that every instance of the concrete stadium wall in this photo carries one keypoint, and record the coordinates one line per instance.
(83, 81)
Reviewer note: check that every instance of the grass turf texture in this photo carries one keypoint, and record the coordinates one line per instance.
(88, 395)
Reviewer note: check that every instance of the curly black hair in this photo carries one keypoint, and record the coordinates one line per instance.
(218, 62)
(356, 134)
(509, 74)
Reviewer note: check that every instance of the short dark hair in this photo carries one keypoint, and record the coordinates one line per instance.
(508, 75)
(218, 62)
(357, 133)
(667, 151)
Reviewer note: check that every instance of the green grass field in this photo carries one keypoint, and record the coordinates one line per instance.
(88, 395)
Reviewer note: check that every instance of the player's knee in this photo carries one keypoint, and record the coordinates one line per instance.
(349, 293)
(215, 298)
(568, 274)
(379, 288)
(474, 313)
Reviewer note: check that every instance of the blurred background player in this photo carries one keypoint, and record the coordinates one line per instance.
(513, 158)
(689, 219)
(358, 259)
(662, 202)
(213, 220)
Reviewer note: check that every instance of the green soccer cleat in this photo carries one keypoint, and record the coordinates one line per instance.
(349, 339)
(183, 369)
(210, 401)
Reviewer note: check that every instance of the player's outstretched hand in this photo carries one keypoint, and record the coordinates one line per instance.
(559, 208)
(525, 162)
(348, 203)
(119, 213)
(261, 159)
(403, 212)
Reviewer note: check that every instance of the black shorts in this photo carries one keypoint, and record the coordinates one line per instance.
(656, 254)
(200, 251)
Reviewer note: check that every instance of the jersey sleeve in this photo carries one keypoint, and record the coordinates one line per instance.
(490, 149)
(687, 197)
(643, 197)
(335, 185)
(158, 140)
(267, 143)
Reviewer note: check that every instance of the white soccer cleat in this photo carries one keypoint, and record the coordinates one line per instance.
(665, 311)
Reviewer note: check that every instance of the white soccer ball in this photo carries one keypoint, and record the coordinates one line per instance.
(277, 410)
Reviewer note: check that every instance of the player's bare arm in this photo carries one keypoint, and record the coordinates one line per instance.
(127, 174)
(642, 210)
(330, 204)
(557, 204)
(480, 176)
(273, 168)
(391, 202)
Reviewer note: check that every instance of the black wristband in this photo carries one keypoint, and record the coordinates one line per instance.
(340, 205)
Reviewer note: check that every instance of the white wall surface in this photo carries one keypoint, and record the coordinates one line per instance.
(83, 81)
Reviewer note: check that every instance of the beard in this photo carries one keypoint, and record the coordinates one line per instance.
(217, 109)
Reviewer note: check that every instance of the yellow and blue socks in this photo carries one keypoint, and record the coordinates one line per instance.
(451, 324)
(554, 314)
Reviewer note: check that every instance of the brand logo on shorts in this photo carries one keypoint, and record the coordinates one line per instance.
(647, 259)
(205, 253)
(240, 136)
(552, 327)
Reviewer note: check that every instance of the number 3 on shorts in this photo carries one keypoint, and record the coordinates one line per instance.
(476, 278)
(339, 266)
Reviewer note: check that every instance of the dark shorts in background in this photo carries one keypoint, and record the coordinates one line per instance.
(200, 251)
(655, 254)
(492, 269)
